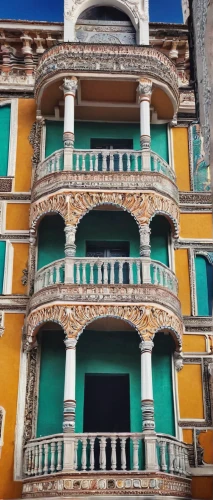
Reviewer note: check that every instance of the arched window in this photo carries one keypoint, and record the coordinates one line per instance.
(204, 285)
(2, 422)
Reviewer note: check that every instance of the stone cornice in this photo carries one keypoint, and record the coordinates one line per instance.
(205, 245)
(130, 294)
(13, 302)
(104, 180)
(195, 202)
(198, 324)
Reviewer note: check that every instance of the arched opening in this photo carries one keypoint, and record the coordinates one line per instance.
(51, 240)
(160, 239)
(112, 26)
(204, 285)
(51, 380)
(108, 237)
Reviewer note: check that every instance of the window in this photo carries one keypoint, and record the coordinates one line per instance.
(204, 285)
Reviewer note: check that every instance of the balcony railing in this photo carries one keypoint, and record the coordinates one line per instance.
(105, 271)
(104, 451)
(98, 160)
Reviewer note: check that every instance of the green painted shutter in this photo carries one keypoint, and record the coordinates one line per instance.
(204, 286)
(4, 139)
(54, 137)
(51, 240)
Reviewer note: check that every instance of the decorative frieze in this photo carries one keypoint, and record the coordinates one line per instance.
(73, 206)
(147, 320)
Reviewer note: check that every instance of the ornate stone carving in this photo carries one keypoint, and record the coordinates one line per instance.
(136, 60)
(24, 278)
(35, 141)
(178, 360)
(145, 88)
(6, 184)
(31, 397)
(73, 206)
(70, 85)
(147, 320)
(70, 246)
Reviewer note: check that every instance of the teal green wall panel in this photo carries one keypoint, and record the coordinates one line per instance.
(54, 136)
(84, 131)
(51, 240)
(4, 138)
(162, 383)
(107, 226)
(2, 262)
(204, 285)
(51, 386)
(160, 230)
(109, 352)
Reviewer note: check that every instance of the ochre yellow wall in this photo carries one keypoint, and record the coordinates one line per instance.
(196, 226)
(187, 436)
(17, 216)
(20, 260)
(182, 273)
(9, 373)
(181, 157)
(26, 117)
(194, 343)
(202, 488)
(205, 440)
(190, 392)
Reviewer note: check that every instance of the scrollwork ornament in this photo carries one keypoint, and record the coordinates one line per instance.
(178, 361)
(145, 87)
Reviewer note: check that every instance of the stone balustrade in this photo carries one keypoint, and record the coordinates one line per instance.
(89, 452)
(105, 271)
(97, 160)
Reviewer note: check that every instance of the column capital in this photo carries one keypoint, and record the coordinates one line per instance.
(70, 246)
(70, 343)
(70, 86)
(178, 360)
(145, 89)
(146, 346)
(145, 248)
(32, 238)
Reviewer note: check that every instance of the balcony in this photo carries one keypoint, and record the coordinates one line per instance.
(106, 169)
(114, 462)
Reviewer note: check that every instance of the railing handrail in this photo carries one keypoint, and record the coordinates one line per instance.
(44, 438)
(51, 156)
(52, 264)
(170, 439)
(158, 263)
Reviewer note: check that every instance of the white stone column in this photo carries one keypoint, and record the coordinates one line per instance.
(145, 251)
(147, 403)
(69, 88)
(145, 94)
(69, 386)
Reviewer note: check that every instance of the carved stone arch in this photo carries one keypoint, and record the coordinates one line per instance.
(208, 255)
(146, 320)
(2, 424)
(174, 223)
(173, 332)
(129, 7)
(54, 204)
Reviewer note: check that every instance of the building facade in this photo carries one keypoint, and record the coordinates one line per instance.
(106, 260)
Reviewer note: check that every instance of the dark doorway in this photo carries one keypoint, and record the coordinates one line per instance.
(110, 144)
(110, 249)
(107, 409)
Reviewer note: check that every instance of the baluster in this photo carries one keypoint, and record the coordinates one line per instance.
(99, 265)
(75, 462)
(78, 277)
(120, 272)
(171, 457)
(183, 460)
(138, 264)
(105, 273)
(120, 162)
(180, 460)
(59, 461)
(162, 445)
(102, 458)
(84, 273)
(166, 279)
(112, 275)
(40, 458)
(123, 453)
(45, 278)
(91, 162)
(25, 467)
(36, 460)
(135, 453)
(176, 460)
(136, 161)
(52, 460)
(46, 449)
(161, 273)
(131, 277)
(92, 457)
(113, 453)
(83, 166)
(29, 461)
(33, 460)
(104, 161)
(186, 457)
(51, 275)
(155, 163)
(96, 162)
(128, 162)
(58, 277)
(57, 163)
(111, 161)
(77, 165)
(84, 453)
(155, 274)
(91, 272)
